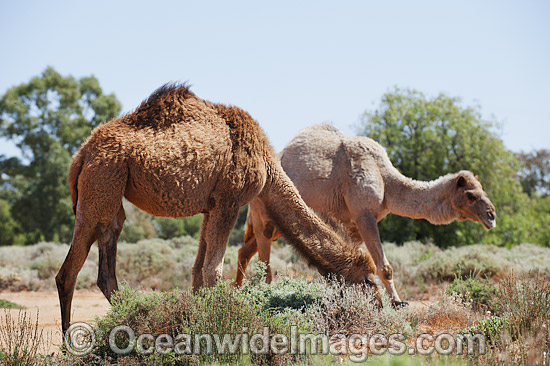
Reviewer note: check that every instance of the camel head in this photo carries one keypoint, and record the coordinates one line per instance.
(471, 202)
(363, 271)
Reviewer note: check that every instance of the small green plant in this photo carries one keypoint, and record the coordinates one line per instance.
(481, 292)
(5, 304)
(491, 327)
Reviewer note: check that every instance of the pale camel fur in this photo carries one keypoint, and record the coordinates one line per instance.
(353, 180)
(178, 155)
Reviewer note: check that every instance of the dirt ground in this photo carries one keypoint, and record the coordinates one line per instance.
(86, 305)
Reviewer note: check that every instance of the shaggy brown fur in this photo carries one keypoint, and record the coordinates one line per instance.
(178, 155)
(353, 180)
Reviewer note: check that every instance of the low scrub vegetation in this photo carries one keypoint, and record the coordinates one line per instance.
(502, 294)
(166, 264)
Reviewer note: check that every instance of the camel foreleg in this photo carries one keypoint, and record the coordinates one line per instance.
(216, 232)
(199, 260)
(368, 228)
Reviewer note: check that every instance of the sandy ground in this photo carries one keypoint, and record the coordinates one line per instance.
(86, 305)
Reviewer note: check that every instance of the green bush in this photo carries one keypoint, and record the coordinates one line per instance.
(490, 327)
(168, 227)
(218, 310)
(481, 292)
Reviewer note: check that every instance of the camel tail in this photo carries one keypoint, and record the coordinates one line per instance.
(74, 173)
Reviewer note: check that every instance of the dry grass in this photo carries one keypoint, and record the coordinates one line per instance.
(21, 340)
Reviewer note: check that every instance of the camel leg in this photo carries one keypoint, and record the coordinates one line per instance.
(247, 251)
(368, 228)
(264, 251)
(199, 261)
(106, 276)
(83, 238)
(221, 220)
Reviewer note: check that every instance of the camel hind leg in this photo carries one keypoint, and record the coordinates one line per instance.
(83, 238)
(101, 189)
(107, 242)
(247, 251)
(264, 239)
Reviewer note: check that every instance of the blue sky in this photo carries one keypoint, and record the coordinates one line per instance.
(295, 63)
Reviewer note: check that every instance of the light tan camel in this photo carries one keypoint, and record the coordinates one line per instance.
(353, 180)
(178, 155)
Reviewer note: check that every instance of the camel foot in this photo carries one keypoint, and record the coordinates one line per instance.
(399, 304)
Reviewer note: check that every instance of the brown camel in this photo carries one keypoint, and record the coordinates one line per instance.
(353, 180)
(178, 155)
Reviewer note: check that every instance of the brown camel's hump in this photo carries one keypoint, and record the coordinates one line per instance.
(165, 106)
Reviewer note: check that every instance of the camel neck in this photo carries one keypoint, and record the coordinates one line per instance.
(305, 231)
(419, 199)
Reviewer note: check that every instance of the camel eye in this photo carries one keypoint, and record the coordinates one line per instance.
(471, 197)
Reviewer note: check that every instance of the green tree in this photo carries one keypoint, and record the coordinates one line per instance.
(138, 225)
(48, 118)
(168, 227)
(8, 226)
(534, 172)
(429, 137)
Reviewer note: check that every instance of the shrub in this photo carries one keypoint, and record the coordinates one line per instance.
(490, 327)
(449, 313)
(525, 302)
(481, 292)
(21, 341)
(219, 310)
(519, 335)
(345, 310)
(464, 261)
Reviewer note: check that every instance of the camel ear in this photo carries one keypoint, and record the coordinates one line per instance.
(461, 182)
(477, 177)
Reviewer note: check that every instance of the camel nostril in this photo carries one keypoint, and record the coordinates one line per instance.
(490, 215)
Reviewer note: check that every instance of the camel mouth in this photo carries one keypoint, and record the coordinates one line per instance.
(489, 221)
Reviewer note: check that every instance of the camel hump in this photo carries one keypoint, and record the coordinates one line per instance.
(325, 126)
(168, 91)
(167, 105)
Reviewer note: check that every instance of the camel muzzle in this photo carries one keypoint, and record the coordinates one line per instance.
(489, 221)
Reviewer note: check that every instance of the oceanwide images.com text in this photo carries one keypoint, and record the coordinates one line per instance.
(80, 340)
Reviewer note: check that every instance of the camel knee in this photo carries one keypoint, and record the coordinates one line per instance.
(60, 282)
(386, 272)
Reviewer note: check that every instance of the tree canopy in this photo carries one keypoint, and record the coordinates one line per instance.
(47, 118)
(429, 137)
(51, 115)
